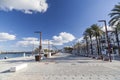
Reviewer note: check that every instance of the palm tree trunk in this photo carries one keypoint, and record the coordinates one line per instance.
(87, 47)
(100, 46)
(91, 45)
(97, 44)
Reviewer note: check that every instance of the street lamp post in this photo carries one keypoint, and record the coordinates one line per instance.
(107, 38)
(40, 45)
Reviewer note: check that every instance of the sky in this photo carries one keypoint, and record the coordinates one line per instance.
(61, 22)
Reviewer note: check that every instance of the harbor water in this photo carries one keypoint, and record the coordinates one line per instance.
(14, 55)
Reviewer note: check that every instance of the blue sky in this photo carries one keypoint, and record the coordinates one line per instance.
(61, 21)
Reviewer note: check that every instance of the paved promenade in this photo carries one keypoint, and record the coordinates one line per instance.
(61, 67)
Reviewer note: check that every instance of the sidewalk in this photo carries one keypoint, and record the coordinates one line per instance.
(61, 67)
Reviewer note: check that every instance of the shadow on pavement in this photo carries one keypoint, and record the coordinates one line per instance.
(68, 59)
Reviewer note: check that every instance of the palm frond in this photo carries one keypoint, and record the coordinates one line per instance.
(114, 20)
(114, 14)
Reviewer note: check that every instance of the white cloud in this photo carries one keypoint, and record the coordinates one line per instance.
(26, 6)
(108, 28)
(63, 37)
(54, 42)
(57, 40)
(6, 36)
(29, 41)
(46, 42)
(80, 39)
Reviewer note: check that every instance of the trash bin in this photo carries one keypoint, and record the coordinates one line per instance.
(37, 58)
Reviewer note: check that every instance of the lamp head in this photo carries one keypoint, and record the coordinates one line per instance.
(101, 20)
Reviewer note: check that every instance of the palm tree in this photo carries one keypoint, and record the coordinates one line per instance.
(68, 49)
(97, 32)
(115, 21)
(77, 47)
(116, 32)
(89, 33)
(86, 39)
(115, 15)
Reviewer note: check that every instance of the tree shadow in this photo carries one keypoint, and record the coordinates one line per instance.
(69, 59)
(60, 59)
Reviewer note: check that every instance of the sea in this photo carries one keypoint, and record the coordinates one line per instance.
(13, 55)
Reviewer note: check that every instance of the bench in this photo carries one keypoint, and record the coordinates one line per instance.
(18, 67)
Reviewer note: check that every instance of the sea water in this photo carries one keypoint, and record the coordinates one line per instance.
(14, 55)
